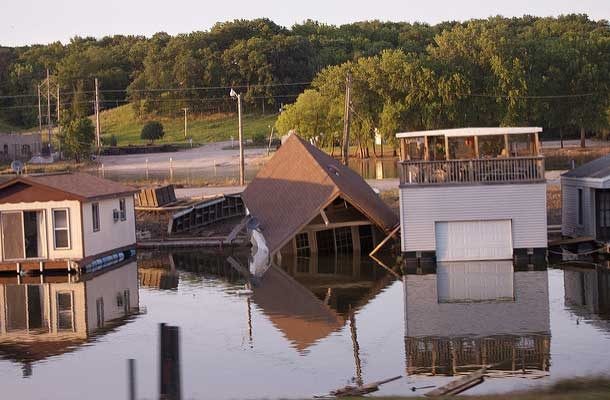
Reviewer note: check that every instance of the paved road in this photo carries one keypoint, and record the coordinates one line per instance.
(205, 156)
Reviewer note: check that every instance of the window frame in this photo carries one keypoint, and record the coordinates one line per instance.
(55, 229)
(95, 212)
(122, 209)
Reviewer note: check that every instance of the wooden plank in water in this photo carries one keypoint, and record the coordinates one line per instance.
(458, 385)
(576, 240)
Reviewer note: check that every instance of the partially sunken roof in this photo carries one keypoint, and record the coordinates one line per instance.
(461, 132)
(74, 185)
(297, 183)
(596, 169)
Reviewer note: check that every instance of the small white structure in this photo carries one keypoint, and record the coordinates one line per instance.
(585, 200)
(472, 193)
(65, 221)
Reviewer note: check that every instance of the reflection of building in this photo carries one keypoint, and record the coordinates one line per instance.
(51, 315)
(63, 221)
(157, 270)
(475, 314)
(472, 193)
(587, 289)
(309, 301)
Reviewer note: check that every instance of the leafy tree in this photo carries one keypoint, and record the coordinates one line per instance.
(152, 130)
(77, 138)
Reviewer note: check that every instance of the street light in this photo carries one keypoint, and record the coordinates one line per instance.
(237, 96)
(185, 110)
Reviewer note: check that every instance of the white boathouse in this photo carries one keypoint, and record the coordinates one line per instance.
(472, 193)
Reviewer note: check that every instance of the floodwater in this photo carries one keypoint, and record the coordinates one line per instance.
(311, 328)
(368, 168)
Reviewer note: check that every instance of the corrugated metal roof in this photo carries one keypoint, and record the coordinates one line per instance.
(300, 181)
(597, 169)
(80, 185)
(461, 132)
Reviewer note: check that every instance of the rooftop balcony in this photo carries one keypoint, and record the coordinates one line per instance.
(473, 171)
(471, 156)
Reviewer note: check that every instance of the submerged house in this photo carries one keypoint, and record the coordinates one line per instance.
(306, 203)
(65, 221)
(472, 193)
(585, 200)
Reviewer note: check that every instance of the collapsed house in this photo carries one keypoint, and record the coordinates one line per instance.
(305, 203)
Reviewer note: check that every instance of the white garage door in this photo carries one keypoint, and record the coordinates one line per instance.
(473, 240)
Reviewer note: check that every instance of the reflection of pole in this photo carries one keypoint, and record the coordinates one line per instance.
(356, 347)
(250, 322)
(169, 365)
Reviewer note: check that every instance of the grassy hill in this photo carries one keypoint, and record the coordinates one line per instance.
(123, 123)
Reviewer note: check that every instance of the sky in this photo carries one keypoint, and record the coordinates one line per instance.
(25, 22)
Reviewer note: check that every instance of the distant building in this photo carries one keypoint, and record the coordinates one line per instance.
(19, 146)
(585, 200)
(65, 221)
(472, 194)
(307, 203)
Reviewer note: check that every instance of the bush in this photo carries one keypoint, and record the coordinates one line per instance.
(113, 141)
(259, 139)
(77, 138)
(152, 130)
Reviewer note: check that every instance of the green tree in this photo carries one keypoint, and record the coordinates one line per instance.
(152, 130)
(77, 138)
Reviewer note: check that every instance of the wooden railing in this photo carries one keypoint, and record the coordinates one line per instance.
(494, 170)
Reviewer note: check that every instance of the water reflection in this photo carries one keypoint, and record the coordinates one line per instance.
(587, 290)
(475, 314)
(45, 316)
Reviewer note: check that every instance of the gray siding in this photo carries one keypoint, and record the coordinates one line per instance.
(421, 207)
(569, 209)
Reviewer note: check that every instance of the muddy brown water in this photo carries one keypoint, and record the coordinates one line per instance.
(316, 327)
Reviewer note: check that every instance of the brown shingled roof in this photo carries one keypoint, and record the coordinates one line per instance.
(77, 185)
(297, 183)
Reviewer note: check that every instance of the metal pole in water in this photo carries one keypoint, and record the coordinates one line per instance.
(147, 169)
(169, 385)
(171, 170)
(131, 375)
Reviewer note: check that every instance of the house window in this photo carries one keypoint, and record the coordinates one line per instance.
(61, 229)
(343, 239)
(95, 214)
(65, 315)
(580, 207)
(23, 234)
(122, 209)
(302, 240)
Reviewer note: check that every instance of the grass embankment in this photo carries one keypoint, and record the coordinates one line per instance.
(560, 159)
(570, 389)
(123, 123)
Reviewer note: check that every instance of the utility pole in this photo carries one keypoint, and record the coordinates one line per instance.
(39, 113)
(242, 173)
(49, 109)
(346, 119)
(242, 178)
(97, 115)
(185, 110)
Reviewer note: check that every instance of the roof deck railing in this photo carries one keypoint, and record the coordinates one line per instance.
(472, 171)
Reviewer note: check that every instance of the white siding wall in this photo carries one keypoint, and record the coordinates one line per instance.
(569, 210)
(75, 252)
(112, 234)
(524, 205)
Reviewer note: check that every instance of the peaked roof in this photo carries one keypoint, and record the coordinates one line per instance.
(297, 183)
(74, 185)
(597, 169)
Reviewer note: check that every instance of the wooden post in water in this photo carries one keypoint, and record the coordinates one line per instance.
(131, 377)
(169, 363)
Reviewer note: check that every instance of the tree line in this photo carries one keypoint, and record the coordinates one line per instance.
(552, 72)
(549, 72)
